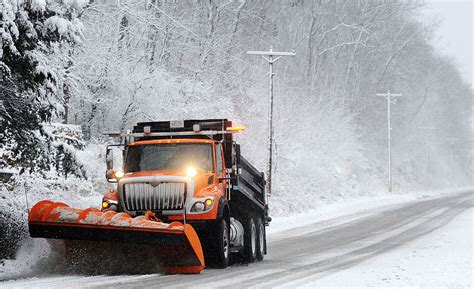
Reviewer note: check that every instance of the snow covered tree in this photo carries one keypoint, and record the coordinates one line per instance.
(162, 59)
(31, 34)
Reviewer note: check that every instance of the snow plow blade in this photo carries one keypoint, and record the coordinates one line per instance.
(176, 245)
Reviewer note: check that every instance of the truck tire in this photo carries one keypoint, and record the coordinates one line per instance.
(217, 252)
(250, 240)
(261, 239)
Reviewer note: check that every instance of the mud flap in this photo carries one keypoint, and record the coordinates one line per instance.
(176, 246)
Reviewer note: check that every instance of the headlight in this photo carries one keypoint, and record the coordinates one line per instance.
(199, 206)
(203, 205)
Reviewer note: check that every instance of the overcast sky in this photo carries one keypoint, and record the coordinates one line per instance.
(454, 36)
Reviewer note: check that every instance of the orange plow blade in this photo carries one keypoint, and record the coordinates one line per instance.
(175, 245)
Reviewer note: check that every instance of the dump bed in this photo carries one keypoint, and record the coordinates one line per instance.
(249, 184)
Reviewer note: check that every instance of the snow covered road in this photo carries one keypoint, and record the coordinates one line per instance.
(304, 255)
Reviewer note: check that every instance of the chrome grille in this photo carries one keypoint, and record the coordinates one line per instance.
(144, 196)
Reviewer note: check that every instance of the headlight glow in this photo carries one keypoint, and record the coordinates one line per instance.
(105, 204)
(191, 172)
(119, 174)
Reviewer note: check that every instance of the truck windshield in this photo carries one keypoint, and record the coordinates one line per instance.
(169, 157)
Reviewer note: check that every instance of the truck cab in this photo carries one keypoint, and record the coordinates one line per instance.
(168, 176)
(192, 171)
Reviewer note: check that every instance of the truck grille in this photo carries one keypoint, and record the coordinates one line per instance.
(144, 196)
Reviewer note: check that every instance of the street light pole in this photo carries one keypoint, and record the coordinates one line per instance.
(451, 160)
(428, 145)
(273, 56)
(388, 96)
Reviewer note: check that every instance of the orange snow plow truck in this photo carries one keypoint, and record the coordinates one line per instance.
(184, 197)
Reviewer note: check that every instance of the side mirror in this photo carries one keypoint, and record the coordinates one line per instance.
(110, 176)
(109, 159)
(237, 151)
(237, 157)
(113, 171)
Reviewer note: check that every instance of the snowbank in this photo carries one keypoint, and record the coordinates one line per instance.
(24, 190)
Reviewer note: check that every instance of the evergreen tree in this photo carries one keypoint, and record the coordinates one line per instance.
(31, 33)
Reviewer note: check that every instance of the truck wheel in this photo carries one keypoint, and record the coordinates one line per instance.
(218, 251)
(261, 239)
(250, 241)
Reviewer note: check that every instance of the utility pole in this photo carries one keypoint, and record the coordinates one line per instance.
(428, 129)
(391, 98)
(451, 160)
(271, 57)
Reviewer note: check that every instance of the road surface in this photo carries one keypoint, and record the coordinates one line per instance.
(295, 255)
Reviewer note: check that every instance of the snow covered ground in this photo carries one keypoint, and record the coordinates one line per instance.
(383, 232)
(442, 259)
(34, 253)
